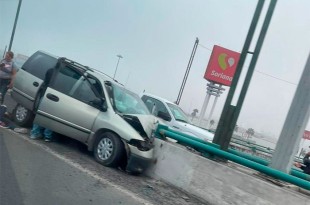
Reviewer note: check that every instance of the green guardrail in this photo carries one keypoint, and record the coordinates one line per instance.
(248, 143)
(254, 148)
(252, 145)
(265, 149)
(293, 172)
(300, 179)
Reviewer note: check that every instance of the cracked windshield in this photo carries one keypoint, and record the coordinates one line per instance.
(154, 102)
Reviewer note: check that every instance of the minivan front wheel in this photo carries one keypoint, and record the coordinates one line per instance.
(108, 149)
(22, 116)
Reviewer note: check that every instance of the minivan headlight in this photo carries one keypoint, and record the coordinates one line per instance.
(141, 145)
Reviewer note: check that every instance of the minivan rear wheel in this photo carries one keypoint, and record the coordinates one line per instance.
(108, 149)
(22, 116)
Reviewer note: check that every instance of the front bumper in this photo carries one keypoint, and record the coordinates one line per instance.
(139, 161)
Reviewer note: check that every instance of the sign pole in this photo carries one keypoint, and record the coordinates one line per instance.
(213, 106)
(203, 109)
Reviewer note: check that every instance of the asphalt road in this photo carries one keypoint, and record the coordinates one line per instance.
(64, 172)
(30, 175)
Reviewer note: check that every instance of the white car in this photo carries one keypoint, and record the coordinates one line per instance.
(174, 116)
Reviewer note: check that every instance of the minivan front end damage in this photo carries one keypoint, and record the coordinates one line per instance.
(137, 161)
(140, 152)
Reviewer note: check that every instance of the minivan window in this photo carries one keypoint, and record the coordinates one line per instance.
(126, 102)
(72, 83)
(38, 64)
(84, 92)
(96, 85)
(65, 79)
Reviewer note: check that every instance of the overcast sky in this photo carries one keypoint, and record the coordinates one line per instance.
(156, 39)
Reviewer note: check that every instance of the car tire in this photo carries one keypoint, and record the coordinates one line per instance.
(108, 149)
(22, 116)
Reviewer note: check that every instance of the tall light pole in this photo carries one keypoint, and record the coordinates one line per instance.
(119, 57)
(187, 71)
(15, 22)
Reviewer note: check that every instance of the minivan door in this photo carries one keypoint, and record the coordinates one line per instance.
(29, 78)
(66, 106)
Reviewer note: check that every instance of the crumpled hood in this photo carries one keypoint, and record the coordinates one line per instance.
(196, 131)
(146, 122)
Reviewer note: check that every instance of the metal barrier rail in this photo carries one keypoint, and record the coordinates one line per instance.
(255, 146)
(240, 158)
(266, 149)
(294, 171)
(251, 143)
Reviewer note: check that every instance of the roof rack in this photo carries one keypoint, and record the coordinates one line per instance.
(107, 76)
(83, 67)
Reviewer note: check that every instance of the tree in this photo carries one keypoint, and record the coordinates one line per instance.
(194, 113)
(250, 132)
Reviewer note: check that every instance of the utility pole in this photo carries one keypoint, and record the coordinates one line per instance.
(15, 23)
(187, 71)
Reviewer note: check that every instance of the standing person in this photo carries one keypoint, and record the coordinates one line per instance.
(305, 166)
(7, 74)
(37, 130)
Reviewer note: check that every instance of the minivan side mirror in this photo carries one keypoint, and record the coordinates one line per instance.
(164, 116)
(100, 104)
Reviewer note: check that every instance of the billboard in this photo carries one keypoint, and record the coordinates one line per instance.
(222, 65)
(306, 135)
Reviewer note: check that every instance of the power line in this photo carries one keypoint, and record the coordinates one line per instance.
(275, 77)
(271, 76)
(205, 47)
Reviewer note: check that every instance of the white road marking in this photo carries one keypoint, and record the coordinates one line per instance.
(82, 169)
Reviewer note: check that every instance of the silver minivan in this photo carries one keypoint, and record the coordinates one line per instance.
(86, 105)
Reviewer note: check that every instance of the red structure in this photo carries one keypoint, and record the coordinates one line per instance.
(222, 65)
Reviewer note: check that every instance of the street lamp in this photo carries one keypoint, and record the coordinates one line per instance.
(15, 22)
(119, 57)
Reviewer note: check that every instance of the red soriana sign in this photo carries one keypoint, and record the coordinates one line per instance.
(306, 135)
(222, 65)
